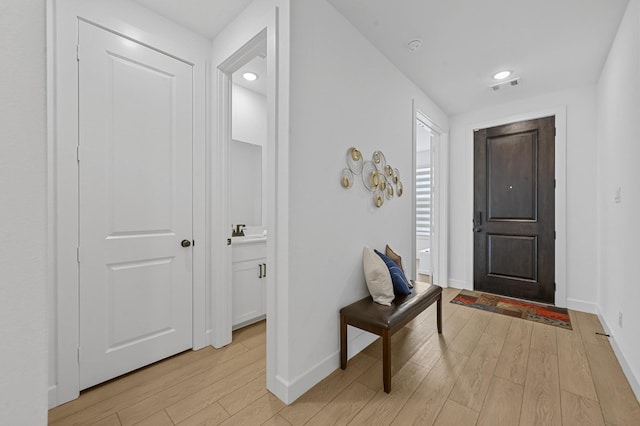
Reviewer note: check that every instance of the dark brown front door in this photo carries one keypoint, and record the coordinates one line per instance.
(514, 210)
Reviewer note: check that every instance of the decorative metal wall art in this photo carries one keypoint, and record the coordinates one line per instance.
(378, 177)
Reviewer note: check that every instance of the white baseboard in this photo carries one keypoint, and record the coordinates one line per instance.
(626, 369)
(581, 305)
(53, 396)
(458, 284)
(288, 392)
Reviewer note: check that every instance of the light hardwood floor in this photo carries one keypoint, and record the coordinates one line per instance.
(485, 369)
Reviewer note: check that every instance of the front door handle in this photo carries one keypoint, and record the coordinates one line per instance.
(185, 243)
(477, 229)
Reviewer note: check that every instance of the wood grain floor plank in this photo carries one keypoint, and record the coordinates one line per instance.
(425, 403)
(575, 374)
(618, 403)
(468, 337)
(454, 414)
(181, 402)
(212, 415)
(512, 362)
(541, 400)
(276, 420)
(257, 413)
(236, 372)
(543, 338)
(104, 400)
(589, 325)
(344, 407)
(112, 420)
(527, 370)
(503, 403)
(383, 407)
(242, 397)
(315, 399)
(161, 418)
(471, 387)
(499, 326)
(579, 411)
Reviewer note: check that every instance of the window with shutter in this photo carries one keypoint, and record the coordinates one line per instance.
(423, 201)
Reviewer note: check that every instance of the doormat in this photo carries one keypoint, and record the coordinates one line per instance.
(545, 314)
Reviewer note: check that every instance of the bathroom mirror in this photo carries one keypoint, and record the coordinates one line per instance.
(246, 183)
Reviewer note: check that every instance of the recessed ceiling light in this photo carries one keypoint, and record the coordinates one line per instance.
(250, 76)
(501, 75)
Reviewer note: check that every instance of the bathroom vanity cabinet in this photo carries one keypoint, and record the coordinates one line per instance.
(250, 269)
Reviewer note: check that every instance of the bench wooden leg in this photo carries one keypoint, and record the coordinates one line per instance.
(386, 360)
(343, 342)
(440, 314)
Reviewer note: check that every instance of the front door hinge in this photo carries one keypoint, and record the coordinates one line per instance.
(554, 286)
(78, 354)
(78, 153)
(554, 235)
(77, 52)
(555, 131)
(554, 184)
(78, 254)
(228, 241)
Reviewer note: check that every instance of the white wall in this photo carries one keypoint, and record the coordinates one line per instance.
(618, 156)
(580, 188)
(249, 116)
(23, 310)
(344, 93)
(248, 124)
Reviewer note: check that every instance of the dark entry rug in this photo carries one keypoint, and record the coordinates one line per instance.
(545, 314)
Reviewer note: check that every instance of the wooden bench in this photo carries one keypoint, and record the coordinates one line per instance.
(386, 320)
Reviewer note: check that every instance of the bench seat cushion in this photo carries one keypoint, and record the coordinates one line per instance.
(402, 309)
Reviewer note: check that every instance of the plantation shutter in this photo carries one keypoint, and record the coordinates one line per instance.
(423, 201)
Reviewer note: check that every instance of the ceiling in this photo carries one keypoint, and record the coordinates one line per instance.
(258, 66)
(206, 17)
(549, 44)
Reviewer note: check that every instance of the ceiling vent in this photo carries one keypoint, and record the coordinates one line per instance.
(505, 84)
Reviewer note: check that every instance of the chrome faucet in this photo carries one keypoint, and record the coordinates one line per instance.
(239, 231)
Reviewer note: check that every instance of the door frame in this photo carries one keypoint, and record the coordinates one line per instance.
(440, 187)
(221, 266)
(231, 45)
(560, 113)
(62, 141)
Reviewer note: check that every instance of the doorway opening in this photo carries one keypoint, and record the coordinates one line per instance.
(247, 189)
(426, 239)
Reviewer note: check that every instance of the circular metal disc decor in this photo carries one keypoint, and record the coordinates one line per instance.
(354, 160)
(347, 178)
(377, 176)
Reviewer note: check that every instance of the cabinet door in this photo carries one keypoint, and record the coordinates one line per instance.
(247, 291)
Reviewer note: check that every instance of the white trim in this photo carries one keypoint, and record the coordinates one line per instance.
(459, 284)
(253, 21)
(634, 382)
(581, 305)
(440, 198)
(222, 292)
(62, 74)
(560, 113)
(301, 384)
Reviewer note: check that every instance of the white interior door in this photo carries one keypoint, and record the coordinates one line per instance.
(135, 162)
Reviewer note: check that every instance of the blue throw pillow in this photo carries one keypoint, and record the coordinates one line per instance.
(399, 280)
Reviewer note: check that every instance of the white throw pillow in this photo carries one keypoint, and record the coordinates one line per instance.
(378, 277)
